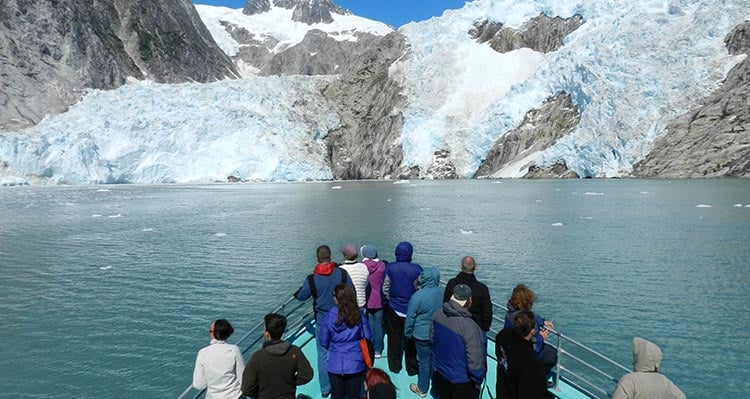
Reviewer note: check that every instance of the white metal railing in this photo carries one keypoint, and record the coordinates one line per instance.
(294, 326)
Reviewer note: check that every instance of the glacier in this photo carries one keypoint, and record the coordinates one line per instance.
(631, 68)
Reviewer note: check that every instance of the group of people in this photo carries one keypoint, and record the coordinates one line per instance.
(439, 334)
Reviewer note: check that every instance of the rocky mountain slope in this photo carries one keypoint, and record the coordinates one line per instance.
(714, 139)
(51, 52)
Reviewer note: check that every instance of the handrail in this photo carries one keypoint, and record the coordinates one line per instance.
(292, 326)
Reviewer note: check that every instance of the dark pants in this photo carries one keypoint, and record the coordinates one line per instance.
(548, 358)
(449, 390)
(398, 344)
(346, 386)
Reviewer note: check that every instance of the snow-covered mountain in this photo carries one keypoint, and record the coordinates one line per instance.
(500, 88)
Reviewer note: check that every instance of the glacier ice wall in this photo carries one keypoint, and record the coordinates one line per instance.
(631, 69)
(257, 129)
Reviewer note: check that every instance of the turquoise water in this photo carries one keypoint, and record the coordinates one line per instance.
(108, 292)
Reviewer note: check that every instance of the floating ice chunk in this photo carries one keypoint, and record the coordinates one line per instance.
(467, 232)
(220, 234)
(424, 209)
(738, 205)
(747, 206)
(557, 224)
(148, 229)
(69, 204)
(538, 200)
(644, 192)
(105, 267)
(703, 206)
(96, 216)
(592, 193)
(115, 216)
(558, 189)
(585, 217)
(401, 182)
(336, 188)
(497, 182)
(389, 200)
(102, 190)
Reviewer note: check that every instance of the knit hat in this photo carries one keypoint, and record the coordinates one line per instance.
(461, 294)
(369, 251)
(349, 250)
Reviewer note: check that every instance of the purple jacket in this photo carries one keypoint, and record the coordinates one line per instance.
(342, 342)
(375, 281)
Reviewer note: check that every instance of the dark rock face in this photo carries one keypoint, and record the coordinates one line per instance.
(442, 167)
(50, 51)
(305, 11)
(539, 130)
(713, 140)
(541, 33)
(367, 100)
(557, 171)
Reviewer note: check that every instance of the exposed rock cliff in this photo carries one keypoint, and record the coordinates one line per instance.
(713, 140)
(51, 51)
(369, 103)
(305, 11)
(539, 130)
(541, 33)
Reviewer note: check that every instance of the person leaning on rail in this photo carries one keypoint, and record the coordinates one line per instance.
(219, 366)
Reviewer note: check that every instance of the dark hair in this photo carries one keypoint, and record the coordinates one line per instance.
(377, 376)
(222, 329)
(523, 322)
(347, 303)
(323, 253)
(275, 325)
(522, 298)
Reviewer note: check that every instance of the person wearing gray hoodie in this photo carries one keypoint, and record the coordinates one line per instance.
(422, 306)
(645, 382)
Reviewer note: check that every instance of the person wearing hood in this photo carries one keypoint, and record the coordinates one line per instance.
(276, 370)
(374, 294)
(422, 306)
(459, 349)
(645, 381)
(320, 285)
(481, 303)
(398, 287)
(340, 332)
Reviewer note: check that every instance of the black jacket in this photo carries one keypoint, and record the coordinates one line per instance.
(520, 375)
(275, 371)
(481, 304)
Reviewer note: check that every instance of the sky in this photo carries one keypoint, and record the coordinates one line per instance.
(392, 12)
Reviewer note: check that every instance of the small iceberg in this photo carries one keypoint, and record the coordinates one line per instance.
(557, 224)
(401, 182)
(389, 200)
(644, 192)
(105, 267)
(467, 232)
(738, 205)
(747, 206)
(703, 206)
(220, 235)
(592, 193)
(585, 217)
(336, 188)
(102, 190)
(539, 201)
(96, 216)
(148, 229)
(115, 216)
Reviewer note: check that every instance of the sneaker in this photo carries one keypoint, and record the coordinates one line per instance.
(414, 388)
(378, 355)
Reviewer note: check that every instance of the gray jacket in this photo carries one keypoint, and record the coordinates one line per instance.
(646, 382)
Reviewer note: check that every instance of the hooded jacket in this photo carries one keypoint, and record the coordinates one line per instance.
(275, 371)
(423, 305)
(376, 270)
(400, 276)
(646, 382)
(342, 343)
(325, 277)
(459, 347)
(520, 375)
(481, 303)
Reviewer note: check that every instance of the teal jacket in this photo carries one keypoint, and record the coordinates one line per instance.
(423, 304)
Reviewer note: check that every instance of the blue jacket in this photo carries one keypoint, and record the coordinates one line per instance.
(537, 340)
(423, 305)
(342, 342)
(400, 276)
(325, 277)
(459, 345)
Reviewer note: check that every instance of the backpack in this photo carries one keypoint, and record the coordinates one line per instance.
(314, 291)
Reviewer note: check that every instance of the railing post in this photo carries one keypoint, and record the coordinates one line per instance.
(557, 365)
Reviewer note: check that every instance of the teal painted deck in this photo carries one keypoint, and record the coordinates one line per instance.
(307, 342)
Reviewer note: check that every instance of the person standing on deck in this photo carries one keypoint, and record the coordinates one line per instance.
(320, 286)
(376, 268)
(646, 381)
(523, 298)
(520, 374)
(275, 371)
(219, 366)
(422, 306)
(481, 307)
(459, 349)
(358, 273)
(398, 287)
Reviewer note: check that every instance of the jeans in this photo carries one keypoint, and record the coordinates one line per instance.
(424, 357)
(375, 319)
(325, 382)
